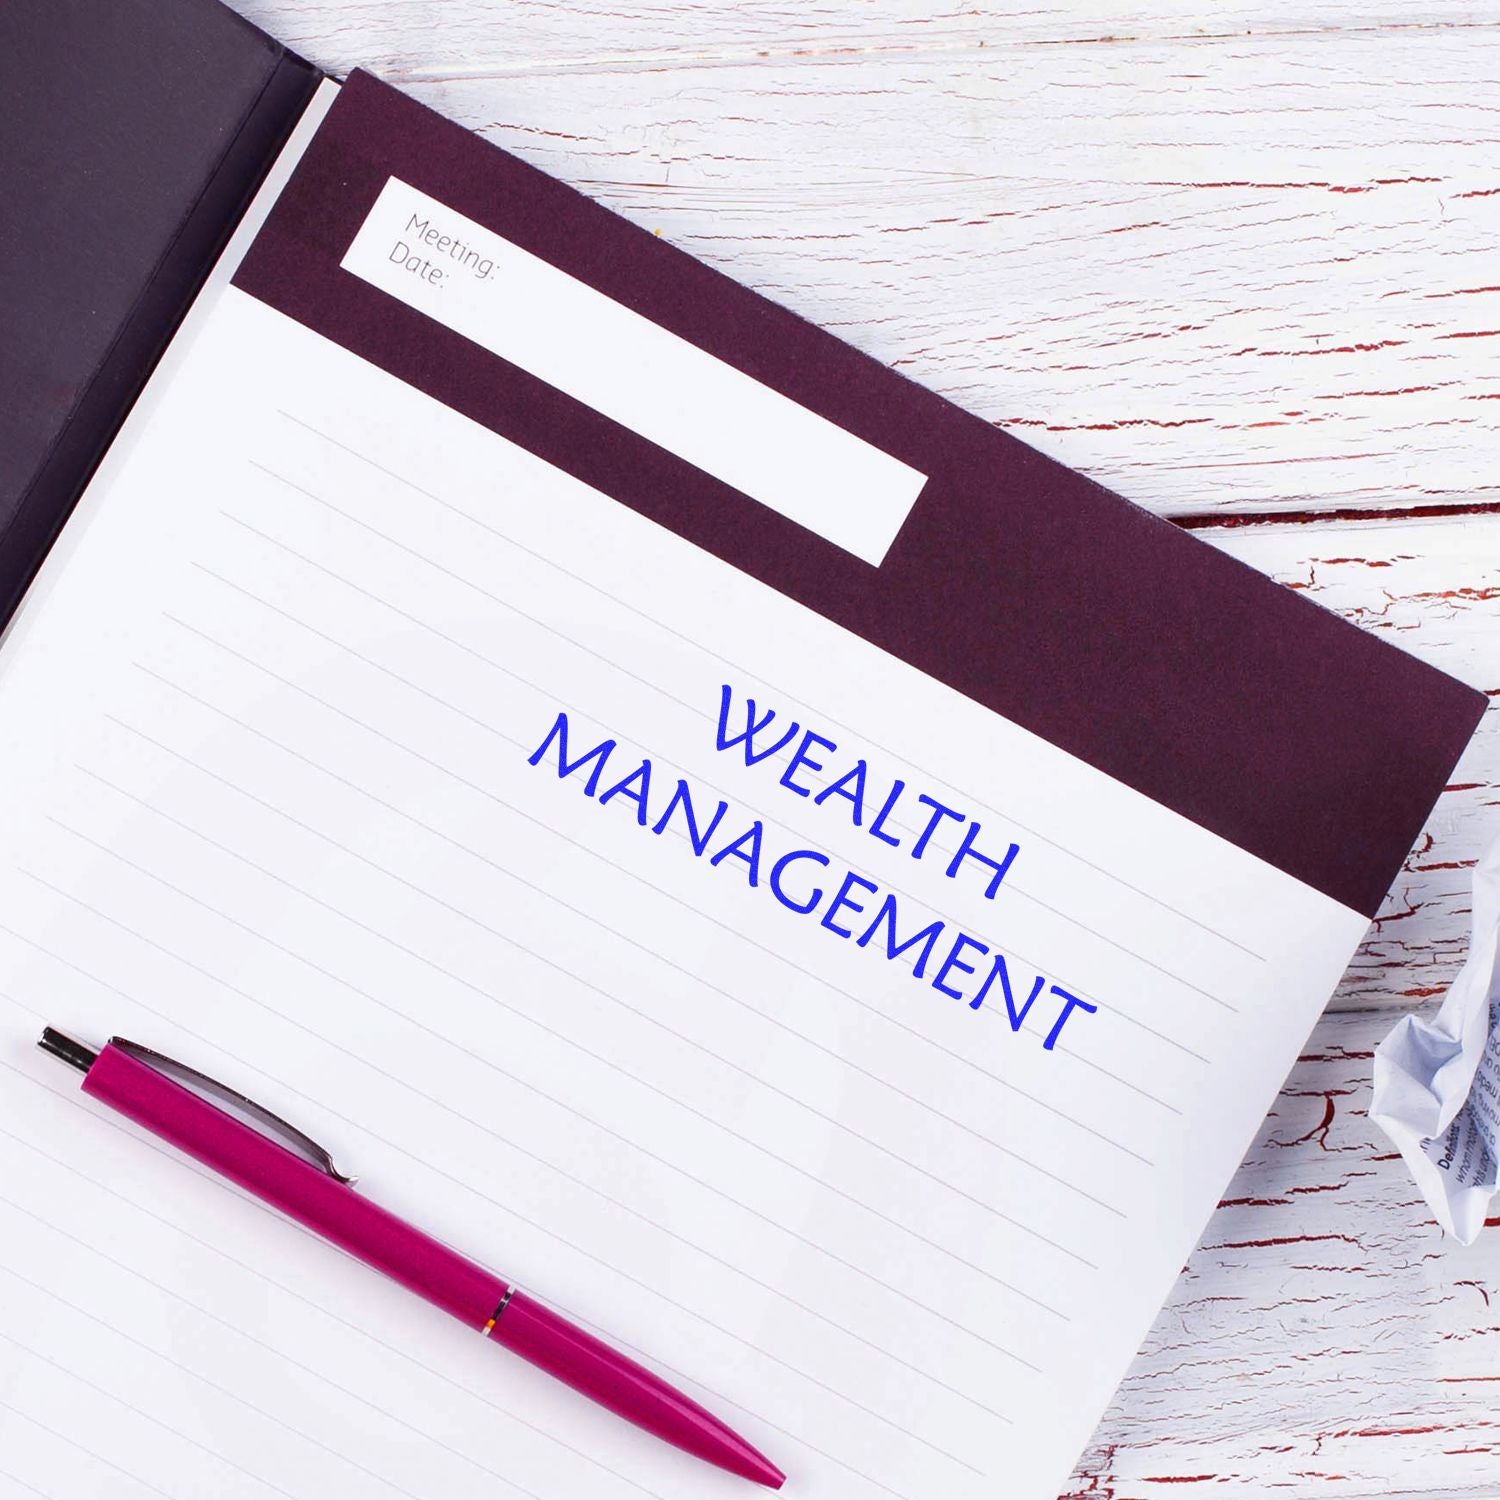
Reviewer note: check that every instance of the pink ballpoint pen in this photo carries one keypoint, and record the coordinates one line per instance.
(309, 1189)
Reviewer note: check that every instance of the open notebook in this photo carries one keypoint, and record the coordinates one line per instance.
(801, 882)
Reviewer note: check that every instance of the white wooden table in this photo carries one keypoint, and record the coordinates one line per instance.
(1240, 260)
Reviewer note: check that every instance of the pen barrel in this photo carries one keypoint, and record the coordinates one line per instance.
(277, 1176)
(596, 1370)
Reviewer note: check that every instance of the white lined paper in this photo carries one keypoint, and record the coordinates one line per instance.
(277, 819)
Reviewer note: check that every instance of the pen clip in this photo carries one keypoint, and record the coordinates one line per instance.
(296, 1140)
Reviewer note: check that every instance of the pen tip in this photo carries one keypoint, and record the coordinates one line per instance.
(730, 1451)
(762, 1470)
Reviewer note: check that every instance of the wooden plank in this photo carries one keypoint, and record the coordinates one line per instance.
(1206, 273)
(1323, 1340)
(1211, 273)
(492, 37)
(1431, 587)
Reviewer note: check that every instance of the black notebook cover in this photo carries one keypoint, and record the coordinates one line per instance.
(132, 133)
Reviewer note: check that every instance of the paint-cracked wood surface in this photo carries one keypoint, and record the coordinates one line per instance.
(1241, 263)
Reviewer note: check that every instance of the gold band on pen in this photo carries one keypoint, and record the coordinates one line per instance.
(495, 1316)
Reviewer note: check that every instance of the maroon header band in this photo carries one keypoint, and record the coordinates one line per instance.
(1023, 585)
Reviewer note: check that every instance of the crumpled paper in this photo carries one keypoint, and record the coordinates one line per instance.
(1437, 1080)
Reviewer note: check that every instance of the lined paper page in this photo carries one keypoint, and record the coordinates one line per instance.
(269, 804)
(273, 812)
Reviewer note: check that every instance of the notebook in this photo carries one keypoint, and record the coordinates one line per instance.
(798, 880)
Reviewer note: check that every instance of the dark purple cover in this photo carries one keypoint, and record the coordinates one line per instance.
(1022, 584)
(132, 133)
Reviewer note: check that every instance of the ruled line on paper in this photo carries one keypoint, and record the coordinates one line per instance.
(542, 1229)
(30, 1488)
(145, 1416)
(693, 1382)
(383, 1412)
(620, 1204)
(609, 1198)
(618, 1000)
(1115, 1009)
(834, 1053)
(67, 1440)
(203, 1174)
(74, 1101)
(699, 645)
(526, 1084)
(59, 1164)
(96, 1320)
(262, 1004)
(912, 1031)
(441, 1171)
(615, 666)
(777, 1022)
(697, 711)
